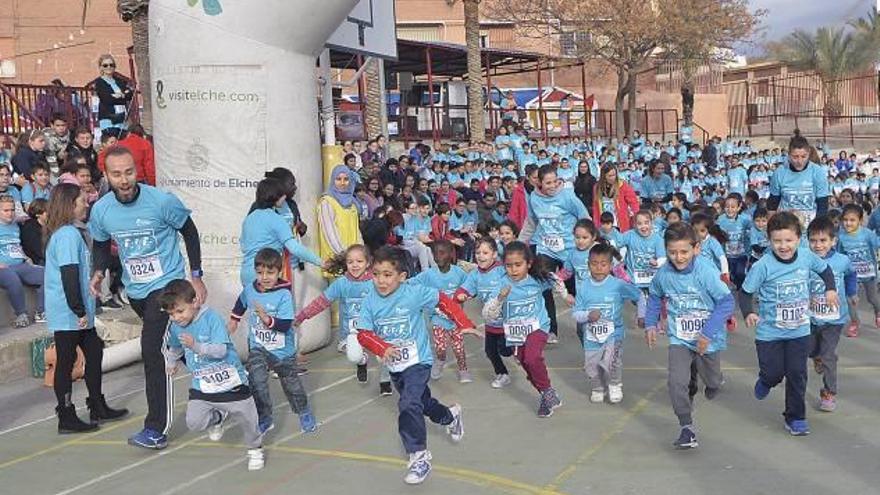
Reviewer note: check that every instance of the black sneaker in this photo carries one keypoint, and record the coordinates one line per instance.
(710, 393)
(362, 373)
(687, 439)
(111, 304)
(385, 389)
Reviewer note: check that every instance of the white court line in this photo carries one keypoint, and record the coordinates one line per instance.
(162, 453)
(81, 408)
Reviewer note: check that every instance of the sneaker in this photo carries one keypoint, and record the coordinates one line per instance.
(687, 439)
(40, 317)
(798, 427)
(385, 389)
(148, 439)
(818, 366)
(544, 411)
(300, 371)
(615, 393)
(761, 390)
(501, 381)
(265, 425)
(597, 396)
(362, 373)
(464, 376)
(307, 421)
(553, 399)
(456, 428)
(21, 321)
(711, 393)
(215, 431)
(731, 325)
(123, 297)
(437, 369)
(256, 459)
(549, 401)
(418, 468)
(552, 338)
(827, 401)
(852, 330)
(273, 374)
(340, 346)
(119, 300)
(111, 304)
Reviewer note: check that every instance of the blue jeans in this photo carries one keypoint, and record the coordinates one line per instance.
(259, 362)
(13, 278)
(415, 403)
(778, 359)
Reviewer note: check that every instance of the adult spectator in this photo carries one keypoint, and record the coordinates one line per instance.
(584, 184)
(614, 195)
(114, 95)
(338, 215)
(145, 223)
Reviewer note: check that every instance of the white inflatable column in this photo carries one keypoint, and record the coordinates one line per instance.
(234, 93)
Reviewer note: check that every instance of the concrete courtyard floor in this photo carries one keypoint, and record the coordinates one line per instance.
(583, 448)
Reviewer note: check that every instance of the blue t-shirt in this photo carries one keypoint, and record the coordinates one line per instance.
(758, 238)
(798, 191)
(737, 230)
(656, 189)
(209, 375)
(639, 253)
(11, 252)
(32, 191)
(146, 233)
(691, 296)
(711, 250)
(398, 318)
(350, 294)
(523, 311)
(555, 217)
(861, 248)
(783, 294)
(66, 247)
(265, 228)
(447, 283)
(503, 153)
(820, 312)
(607, 297)
(413, 226)
(278, 303)
(483, 285)
(578, 263)
(737, 180)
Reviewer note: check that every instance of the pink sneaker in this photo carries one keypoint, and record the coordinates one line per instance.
(852, 330)
(827, 401)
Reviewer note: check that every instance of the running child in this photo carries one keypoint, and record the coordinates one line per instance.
(392, 325)
(711, 237)
(644, 255)
(758, 242)
(271, 343)
(782, 338)
(860, 245)
(482, 283)
(519, 304)
(826, 321)
(698, 303)
(598, 306)
(219, 382)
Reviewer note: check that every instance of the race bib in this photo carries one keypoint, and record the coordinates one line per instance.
(144, 269)
(688, 327)
(408, 355)
(269, 339)
(735, 248)
(515, 332)
(553, 243)
(863, 269)
(219, 378)
(600, 330)
(643, 277)
(119, 108)
(14, 251)
(821, 310)
(792, 315)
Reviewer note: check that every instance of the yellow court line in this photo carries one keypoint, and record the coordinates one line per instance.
(478, 478)
(618, 427)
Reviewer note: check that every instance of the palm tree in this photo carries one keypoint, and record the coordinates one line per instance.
(832, 53)
(474, 70)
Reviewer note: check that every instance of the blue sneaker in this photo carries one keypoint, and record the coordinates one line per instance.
(798, 427)
(687, 439)
(266, 424)
(418, 468)
(761, 390)
(307, 421)
(149, 439)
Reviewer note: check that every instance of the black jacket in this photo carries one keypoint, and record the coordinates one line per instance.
(106, 101)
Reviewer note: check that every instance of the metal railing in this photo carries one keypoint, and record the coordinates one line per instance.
(29, 106)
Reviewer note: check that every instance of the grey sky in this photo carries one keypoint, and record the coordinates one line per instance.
(785, 16)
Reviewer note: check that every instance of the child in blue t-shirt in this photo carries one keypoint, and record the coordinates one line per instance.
(758, 242)
(644, 254)
(392, 325)
(598, 311)
(698, 304)
(826, 321)
(860, 245)
(446, 277)
(735, 226)
(780, 280)
(350, 289)
(271, 343)
(219, 382)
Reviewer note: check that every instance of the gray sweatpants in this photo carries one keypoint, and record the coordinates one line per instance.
(200, 415)
(604, 366)
(823, 345)
(680, 360)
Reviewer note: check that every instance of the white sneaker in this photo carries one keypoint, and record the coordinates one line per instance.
(464, 376)
(437, 369)
(123, 297)
(418, 468)
(501, 381)
(215, 431)
(456, 428)
(256, 459)
(615, 393)
(552, 339)
(340, 346)
(597, 396)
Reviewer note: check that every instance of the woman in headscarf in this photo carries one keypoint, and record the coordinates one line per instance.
(584, 184)
(614, 195)
(338, 215)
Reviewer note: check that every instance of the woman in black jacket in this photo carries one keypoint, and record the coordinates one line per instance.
(114, 95)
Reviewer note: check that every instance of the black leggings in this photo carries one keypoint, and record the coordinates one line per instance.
(552, 265)
(496, 347)
(92, 346)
